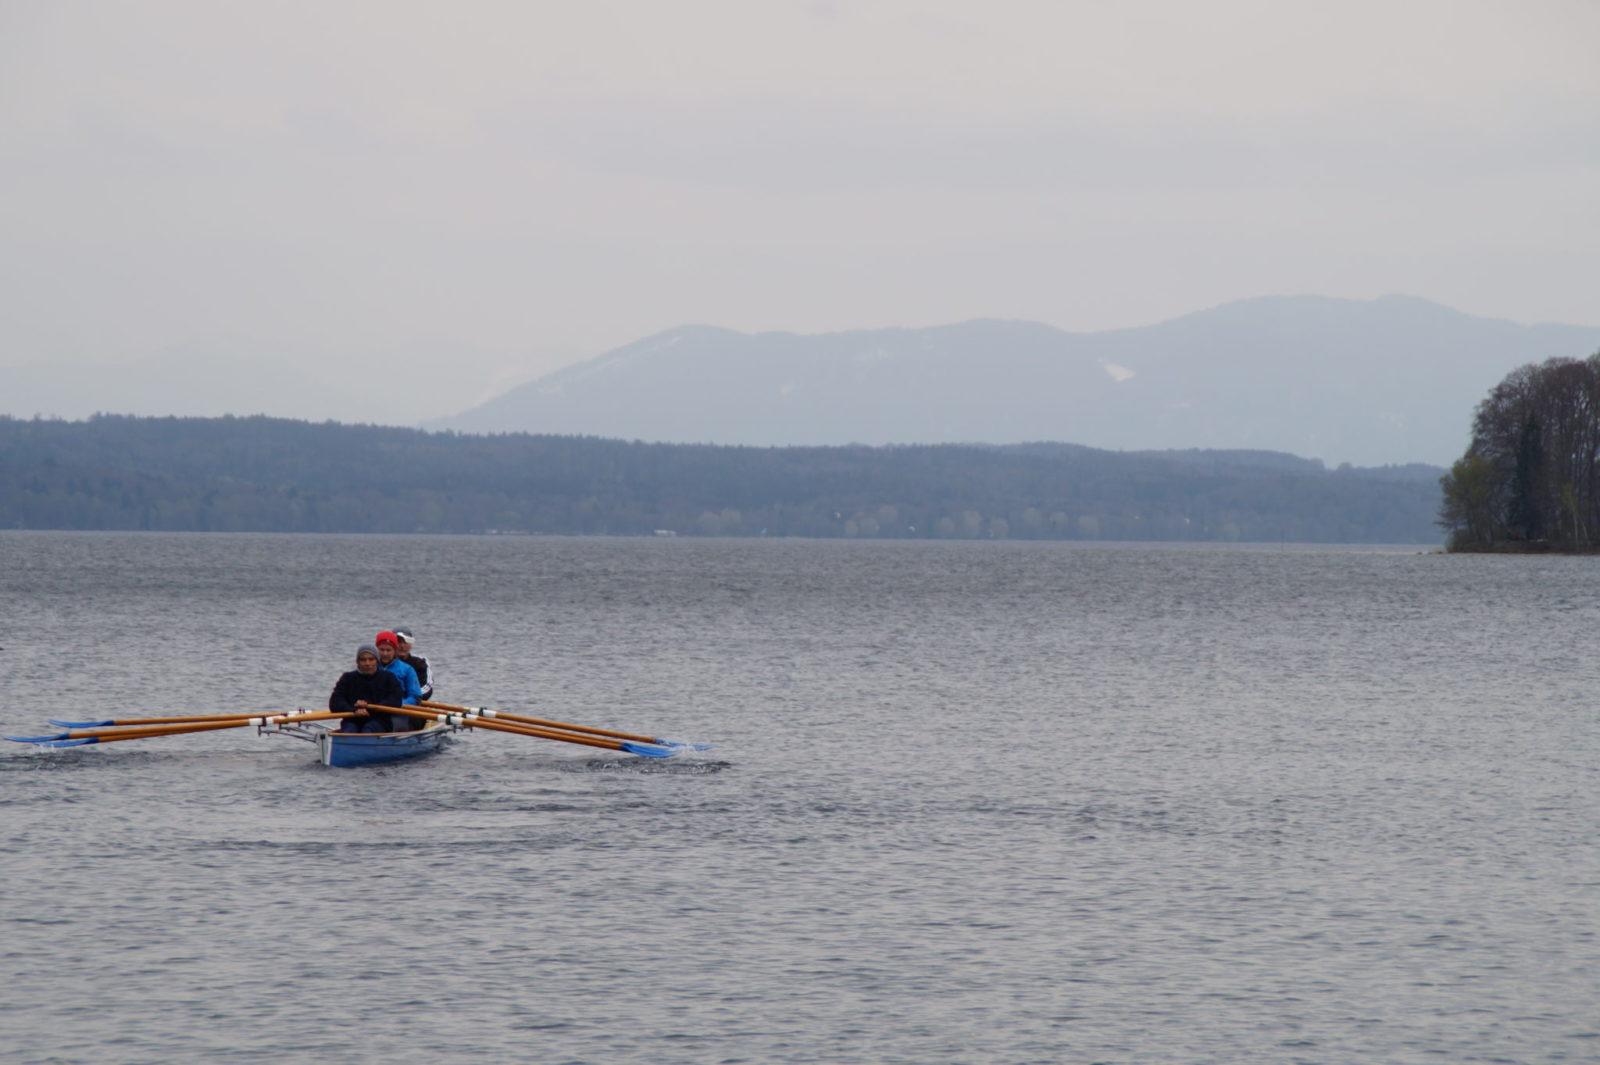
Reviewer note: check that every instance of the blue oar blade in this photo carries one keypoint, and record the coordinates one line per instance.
(36, 739)
(72, 743)
(646, 751)
(81, 724)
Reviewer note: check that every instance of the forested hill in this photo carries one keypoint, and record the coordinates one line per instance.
(264, 474)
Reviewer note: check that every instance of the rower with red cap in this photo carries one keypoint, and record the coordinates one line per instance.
(388, 645)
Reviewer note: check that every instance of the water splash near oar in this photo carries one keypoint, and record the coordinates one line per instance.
(60, 740)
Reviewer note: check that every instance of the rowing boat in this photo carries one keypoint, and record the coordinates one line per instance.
(343, 749)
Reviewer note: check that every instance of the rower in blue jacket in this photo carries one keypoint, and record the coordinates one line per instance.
(388, 658)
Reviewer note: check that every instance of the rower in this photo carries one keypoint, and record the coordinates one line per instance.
(388, 645)
(362, 685)
(424, 672)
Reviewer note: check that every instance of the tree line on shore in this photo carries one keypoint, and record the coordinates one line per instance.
(1530, 478)
(275, 475)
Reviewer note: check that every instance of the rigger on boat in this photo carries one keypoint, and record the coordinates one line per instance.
(345, 748)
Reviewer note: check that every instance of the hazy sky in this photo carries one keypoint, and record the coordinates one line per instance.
(381, 211)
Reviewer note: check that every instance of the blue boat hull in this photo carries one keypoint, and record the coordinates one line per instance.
(343, 749)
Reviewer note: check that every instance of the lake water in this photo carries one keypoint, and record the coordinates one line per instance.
(970, 802)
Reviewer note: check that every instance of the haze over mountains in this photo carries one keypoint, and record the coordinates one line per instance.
(1391, 380)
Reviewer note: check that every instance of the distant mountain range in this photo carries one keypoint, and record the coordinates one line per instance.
(1386, 381)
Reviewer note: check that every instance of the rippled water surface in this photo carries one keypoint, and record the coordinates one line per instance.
(976, 802)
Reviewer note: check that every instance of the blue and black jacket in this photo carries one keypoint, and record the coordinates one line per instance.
(408, 681)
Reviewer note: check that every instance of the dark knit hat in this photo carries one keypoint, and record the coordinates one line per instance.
(366, 649)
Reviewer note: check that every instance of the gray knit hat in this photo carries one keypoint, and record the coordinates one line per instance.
(366, 649)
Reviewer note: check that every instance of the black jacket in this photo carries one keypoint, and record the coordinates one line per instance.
(381, 687)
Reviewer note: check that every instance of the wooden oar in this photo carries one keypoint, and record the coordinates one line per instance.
(472, 720)
(79, 739)
(562, 726)
(193, 718)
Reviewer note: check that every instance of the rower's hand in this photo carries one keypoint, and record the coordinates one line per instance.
(361, 708)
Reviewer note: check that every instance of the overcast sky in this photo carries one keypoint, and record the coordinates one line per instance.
(381, 211)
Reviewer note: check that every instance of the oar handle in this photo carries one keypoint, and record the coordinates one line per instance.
(539, 722)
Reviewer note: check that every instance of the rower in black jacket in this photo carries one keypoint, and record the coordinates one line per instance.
(403, 633)
(367, 684)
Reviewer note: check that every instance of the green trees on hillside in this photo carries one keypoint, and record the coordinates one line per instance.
(1530, 479)
(271, 475)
